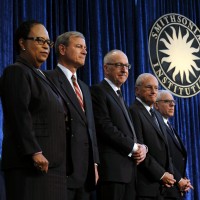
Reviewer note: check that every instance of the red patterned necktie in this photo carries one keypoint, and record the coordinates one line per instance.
(78, 92)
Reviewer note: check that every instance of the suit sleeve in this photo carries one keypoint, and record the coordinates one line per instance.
(91, 125)
(16, 100)
(105, 115)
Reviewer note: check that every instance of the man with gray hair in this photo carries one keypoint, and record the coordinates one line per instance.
(119, 150)
(71, 52)
(155, 173)
(165, 104)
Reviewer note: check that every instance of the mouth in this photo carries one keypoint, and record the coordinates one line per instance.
(45, 53)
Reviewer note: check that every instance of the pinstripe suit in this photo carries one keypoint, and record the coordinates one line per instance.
(34, 121)
(84, 152)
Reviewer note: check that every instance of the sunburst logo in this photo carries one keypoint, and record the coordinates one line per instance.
(174, 50)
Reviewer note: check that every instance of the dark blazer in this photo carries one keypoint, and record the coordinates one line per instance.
(84, 152)
(34, 121)
(179, 159)
(158, 159)
(114, 134)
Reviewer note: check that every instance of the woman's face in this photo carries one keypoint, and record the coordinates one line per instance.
(32, 51)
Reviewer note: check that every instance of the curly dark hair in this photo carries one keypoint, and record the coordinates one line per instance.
(22, 32)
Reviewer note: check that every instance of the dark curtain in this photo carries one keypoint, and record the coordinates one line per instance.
(107, 25)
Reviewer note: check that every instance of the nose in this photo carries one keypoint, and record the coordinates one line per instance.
(84, 51)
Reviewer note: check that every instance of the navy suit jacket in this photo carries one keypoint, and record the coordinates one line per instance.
(114, 134)
(179, 159)
(84, 151)
(158, 159)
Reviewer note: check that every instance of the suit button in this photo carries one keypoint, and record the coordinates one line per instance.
(72, 135)
(71, 119)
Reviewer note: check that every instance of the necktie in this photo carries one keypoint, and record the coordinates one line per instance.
(78, 92)
(172, 130)
(154, 118)
(126, 112)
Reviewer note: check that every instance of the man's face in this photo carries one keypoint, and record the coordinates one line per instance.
(165, 105)
(148, 90)
(116, 69)
(75, 53)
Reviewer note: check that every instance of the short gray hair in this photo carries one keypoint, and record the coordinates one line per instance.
(108, 56)
(65, 38)
(140, 79)
(161, 93)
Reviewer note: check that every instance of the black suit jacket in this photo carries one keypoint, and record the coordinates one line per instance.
(158, 158)
(33, 117)
(84, 152)
(114, 134)
(34, 121)
(179, 159)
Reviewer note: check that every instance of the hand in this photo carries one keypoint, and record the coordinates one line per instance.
(168, 179)
(184, 185)
(96, 173)
(140, 154)
(40, 162)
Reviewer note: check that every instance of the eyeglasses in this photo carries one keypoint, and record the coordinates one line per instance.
(41, 41)
(169, 102)
(120, 65)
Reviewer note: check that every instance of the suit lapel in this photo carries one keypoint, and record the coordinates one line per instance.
(116, 99)
(149, 118)
(177, 143)
(45, 79)
(69, 92)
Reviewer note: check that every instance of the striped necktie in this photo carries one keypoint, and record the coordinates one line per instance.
(78, 92)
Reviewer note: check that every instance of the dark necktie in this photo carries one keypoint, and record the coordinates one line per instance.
(78, 92)
(172, 130)
(154, 118)
(122, 100)
(126, 112)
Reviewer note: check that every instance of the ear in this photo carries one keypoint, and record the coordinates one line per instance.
(61, 48)
(106, 69)
(21, 43)
(156, 105)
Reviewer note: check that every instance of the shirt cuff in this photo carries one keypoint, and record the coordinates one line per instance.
(134, 149)
(162, 176)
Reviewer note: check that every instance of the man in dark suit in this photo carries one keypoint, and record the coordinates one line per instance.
(118, 148)
(165, 105)
(155, 173)
(71, 52)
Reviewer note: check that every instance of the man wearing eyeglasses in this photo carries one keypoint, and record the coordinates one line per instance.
(155, 173)
(119, 150)
(165, 104)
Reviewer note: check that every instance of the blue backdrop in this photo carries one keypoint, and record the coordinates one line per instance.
(109, 24)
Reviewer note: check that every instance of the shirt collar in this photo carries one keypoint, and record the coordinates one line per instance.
(144, 104)
(67, 72)
(114, 87)
(165, 120)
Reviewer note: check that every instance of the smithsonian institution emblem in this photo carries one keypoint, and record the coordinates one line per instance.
(174, 51)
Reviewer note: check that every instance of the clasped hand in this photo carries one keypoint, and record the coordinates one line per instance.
(140, 154)
(168, 180)
(185, 185)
